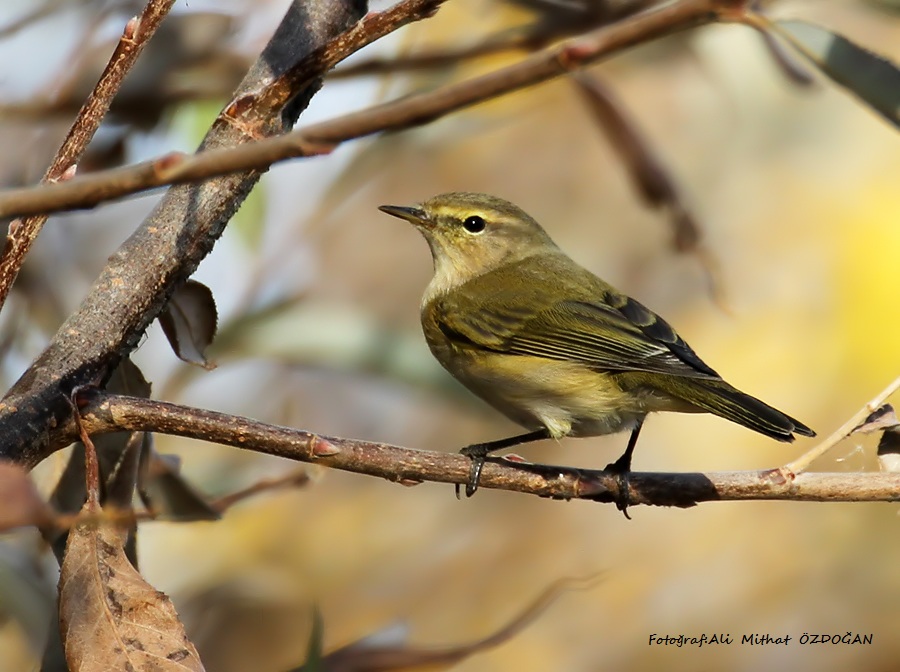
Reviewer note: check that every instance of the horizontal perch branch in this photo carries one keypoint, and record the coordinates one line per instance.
(108, 413)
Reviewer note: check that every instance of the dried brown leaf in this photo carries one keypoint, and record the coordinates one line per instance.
(128, 379)
(110, 618)
(21, 503)
(880, 419)
(884, 420)
(189, 322)
(167, 494)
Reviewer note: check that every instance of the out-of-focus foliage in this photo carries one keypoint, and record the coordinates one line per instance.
(875, 80)
(795, 193)
(189, 59)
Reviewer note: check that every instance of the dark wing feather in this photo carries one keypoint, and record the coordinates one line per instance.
(612, 333)
(608, 338)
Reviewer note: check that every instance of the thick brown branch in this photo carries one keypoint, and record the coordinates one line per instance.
(138, 31)
(169, 244)
(405, 113)
(372, 27)
(107, 413)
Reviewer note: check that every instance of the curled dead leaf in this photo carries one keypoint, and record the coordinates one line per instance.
(189, 322)
(166, 493)
(880, 419)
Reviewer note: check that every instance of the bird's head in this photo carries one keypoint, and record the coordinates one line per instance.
(471, 234)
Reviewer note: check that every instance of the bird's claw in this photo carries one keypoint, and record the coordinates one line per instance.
(477, 454)
(621, 469)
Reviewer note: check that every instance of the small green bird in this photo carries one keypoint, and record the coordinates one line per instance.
(549, 344)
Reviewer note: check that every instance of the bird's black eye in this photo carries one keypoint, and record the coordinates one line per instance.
(474, 224)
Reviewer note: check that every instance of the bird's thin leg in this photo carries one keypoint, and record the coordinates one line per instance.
(477, 452)
(622, 468)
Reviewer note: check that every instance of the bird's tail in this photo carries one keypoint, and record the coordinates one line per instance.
(732, 404)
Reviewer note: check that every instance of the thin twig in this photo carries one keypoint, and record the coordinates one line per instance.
(166, 248)
(372, 27)
(293, 480)
(91, 459)
(551, 25)
(451, 56)
(653, 180)
(124, 517)
(137, 33)
(90, 190)
(377, 655)
(802, 463)
(102, 412)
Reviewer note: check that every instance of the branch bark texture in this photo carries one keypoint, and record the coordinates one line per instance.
(138, 31)
(167, 247)
(396, 115)
(102, 413)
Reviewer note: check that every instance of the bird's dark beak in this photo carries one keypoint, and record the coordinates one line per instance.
(413, 215)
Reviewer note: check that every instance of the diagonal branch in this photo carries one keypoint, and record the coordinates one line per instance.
(138, 31)
(654, 182)
(167, 247)
(533, 38)
(102, 412)
(803, 462)
(407, 112)
(552, 23)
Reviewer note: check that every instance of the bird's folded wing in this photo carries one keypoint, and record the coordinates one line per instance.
(629, 337)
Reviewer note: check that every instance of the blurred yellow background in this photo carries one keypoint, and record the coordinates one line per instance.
(796, 192)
